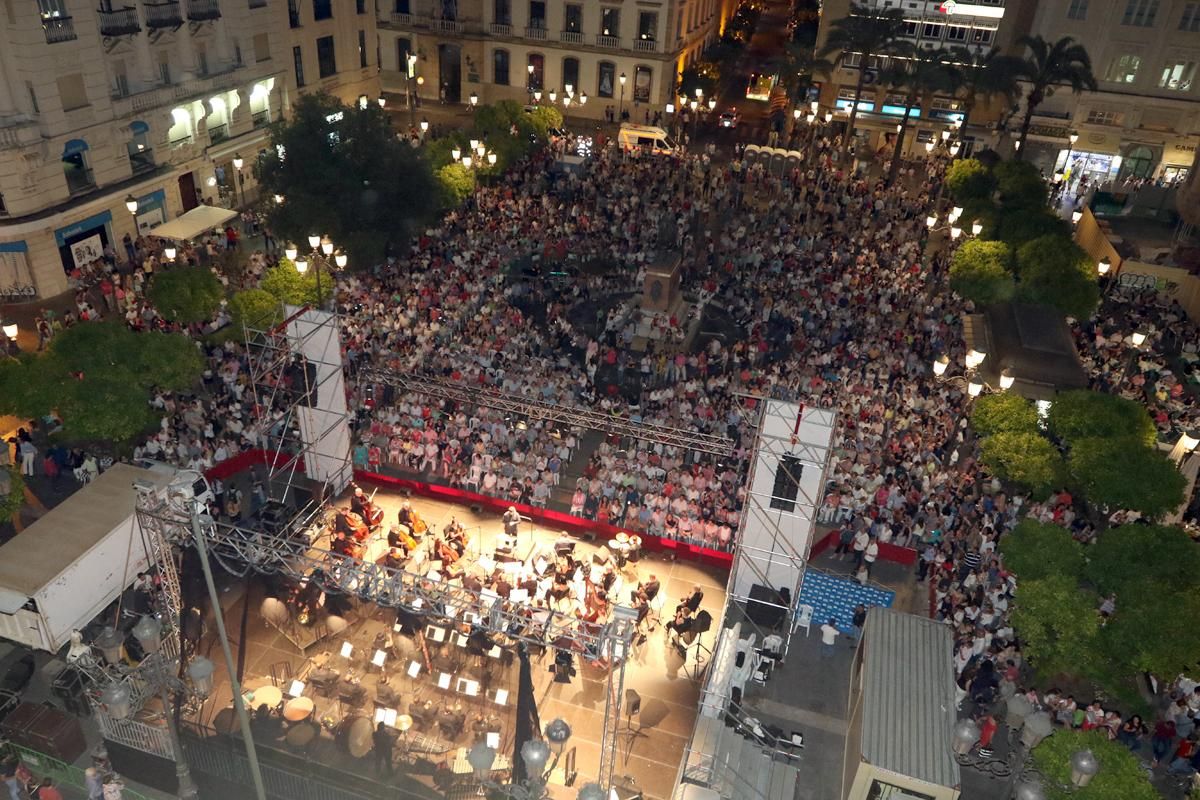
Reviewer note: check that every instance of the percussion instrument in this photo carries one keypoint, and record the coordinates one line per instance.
(635, 548)
(267, 695)
(298, 709)
(355, 735)
(403, 723)
(301, 736)
(622, 537)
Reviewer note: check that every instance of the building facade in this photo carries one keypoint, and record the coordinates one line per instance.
(151, 101)
(929, 25)
(614, 53)
(1144, 122)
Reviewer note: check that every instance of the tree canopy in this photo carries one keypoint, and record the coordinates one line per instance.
(1020, 185)
(186, 294)
(1056, 272)
(255, 308)
(1084, 414)
(1025, 459)
(1143, 559)
(979, 272)
(969, 179)
(285, 283)
(1122, 775)
(98, 376)
(1035, 550)
(994, 413)
(343, 172)
(1123, 473)
(1046, 66)
(1057, 622)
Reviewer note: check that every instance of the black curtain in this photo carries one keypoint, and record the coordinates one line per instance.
(528, 725)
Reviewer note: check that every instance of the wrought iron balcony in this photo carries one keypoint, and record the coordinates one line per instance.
(119, 22)
(164, 14)
(58, 29)
(203, 10)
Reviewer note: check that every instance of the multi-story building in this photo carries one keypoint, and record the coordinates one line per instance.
(612, 53)
(1144, 121)
(929, 25)
(152, 102)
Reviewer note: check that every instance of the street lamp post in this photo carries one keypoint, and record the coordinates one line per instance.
(410, 94)
(1024, 780)
(131, 205)
(529, 81)
(238, 163)
(535, 754)
(322, 251)
(621, 101)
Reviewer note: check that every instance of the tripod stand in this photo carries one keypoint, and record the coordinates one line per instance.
(701, 626)
(633, 708)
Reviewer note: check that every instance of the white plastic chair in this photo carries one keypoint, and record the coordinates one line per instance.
(804, 616)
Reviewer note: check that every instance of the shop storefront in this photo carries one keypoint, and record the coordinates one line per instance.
(1177, 162)
(151, 211)
(84, 241)
(16, 279)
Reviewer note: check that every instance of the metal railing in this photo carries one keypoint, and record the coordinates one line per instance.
(63, 774)
(120, 22)
(611, 42)
(142, 161)
(218, 133)
(58, 29)
(164, 14)
(203, 10)
(80, 181)
(138, 735)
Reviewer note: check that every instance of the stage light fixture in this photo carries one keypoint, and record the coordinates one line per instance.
(296, 689)
(379, 658)
(414, 669)
(444, 680)
(347, 649)
(502, 697)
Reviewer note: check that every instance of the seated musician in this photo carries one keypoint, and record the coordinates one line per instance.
(419, 528)
(561, 588)
(341, 522)
(455, 532)
(360, 505)
(397, 539)
(395, 558)
(343, 545)
(682, 622)
(649, 590)
(446, 553)
(529, 583)
(502, 587)
(472, 583)
(405, 515)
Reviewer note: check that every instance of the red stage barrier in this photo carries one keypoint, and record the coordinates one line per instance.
(250, 458)
(888, 552)
(549, 518)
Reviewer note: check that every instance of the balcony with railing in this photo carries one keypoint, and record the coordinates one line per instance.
(218, 133)
(611, 42)
(163, 14)
(446, 26)
(142, 161)
(59, 29)
(261, 119)
(79, 180)
(203, 10)
(646, 46)
(501, 29)
(119, 22)
(535, 32)
(571, 37)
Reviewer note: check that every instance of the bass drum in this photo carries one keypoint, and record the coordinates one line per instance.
(354, 734)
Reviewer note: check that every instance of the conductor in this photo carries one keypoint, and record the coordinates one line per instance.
(512, 522)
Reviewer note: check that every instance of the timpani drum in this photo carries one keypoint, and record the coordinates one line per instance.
(355, 734)
(298, 709)
(622, 537)
(267, 695)
(635, 548)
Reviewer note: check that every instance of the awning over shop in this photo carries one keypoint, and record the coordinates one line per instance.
(194, 223)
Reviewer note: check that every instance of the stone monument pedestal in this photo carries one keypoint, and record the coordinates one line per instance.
(661, 300)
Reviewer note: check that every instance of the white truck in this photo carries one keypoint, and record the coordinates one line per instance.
(61, 571)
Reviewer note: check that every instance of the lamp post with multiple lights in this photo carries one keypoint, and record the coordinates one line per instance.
(322, 251)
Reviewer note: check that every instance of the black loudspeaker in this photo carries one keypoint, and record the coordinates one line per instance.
(765, 607)
(633, 702)
(702, 623)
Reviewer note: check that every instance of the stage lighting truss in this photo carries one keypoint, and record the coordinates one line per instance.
(528, 408)
(241, 550)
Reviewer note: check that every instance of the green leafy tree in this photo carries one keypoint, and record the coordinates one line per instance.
(12, 492)
(1084, 414)
(1143, 559)
(980, 272)
(968, 179)
(343, 172)
(797, 66)
(1155, 632)
(1048, 66)
(1125, 474)
(98, 377)
(918, 75)
(187, 294)
(1058, 623)
(544, 118)
(1036, 550)
(869, 33)
(702, 75)
(1020, 185)
(1056, 273)
(994, 413)
(255, 308)
(285, 283)
(1122, 774)
(455, 183)
(1016, 226)
(1027, 460)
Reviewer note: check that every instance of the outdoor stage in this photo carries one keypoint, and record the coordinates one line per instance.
(479, 695)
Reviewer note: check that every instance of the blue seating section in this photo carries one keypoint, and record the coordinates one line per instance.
(834, 596)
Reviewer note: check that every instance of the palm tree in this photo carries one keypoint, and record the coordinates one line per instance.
(1063, 63)
(868, 33)
(984, 75)
(920, 75)
(796, 66)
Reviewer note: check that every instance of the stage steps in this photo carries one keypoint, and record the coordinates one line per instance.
(587, 444)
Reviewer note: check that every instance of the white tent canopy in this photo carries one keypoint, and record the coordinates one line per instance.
(194, 223)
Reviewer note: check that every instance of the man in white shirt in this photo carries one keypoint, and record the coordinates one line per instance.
(870, 554)
(829, 634)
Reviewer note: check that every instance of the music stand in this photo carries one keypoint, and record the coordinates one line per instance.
(701, 625)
